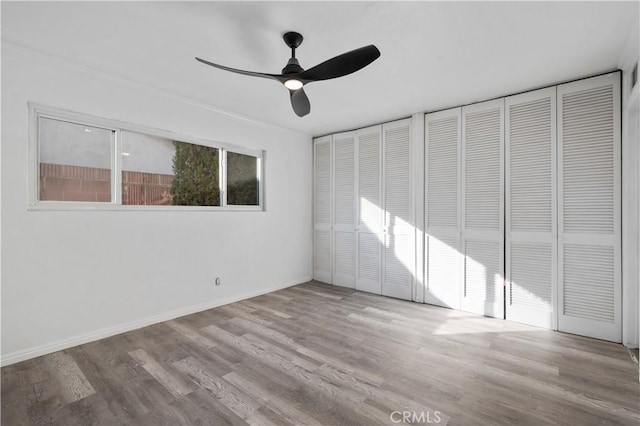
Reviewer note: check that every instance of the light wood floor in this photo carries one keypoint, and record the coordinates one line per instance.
(318, 354)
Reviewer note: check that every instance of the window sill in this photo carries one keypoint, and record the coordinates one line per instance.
(71, 206)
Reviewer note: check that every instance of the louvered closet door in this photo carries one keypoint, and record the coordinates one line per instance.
(443, 258)
(483, 208)
(344, 209)
(589, 207)
(399, 245)
(370, 214)
(531, 220)
(322, 209)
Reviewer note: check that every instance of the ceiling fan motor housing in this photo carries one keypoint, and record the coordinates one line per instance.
(293, 67)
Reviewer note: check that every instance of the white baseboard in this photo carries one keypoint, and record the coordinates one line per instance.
(25, 354)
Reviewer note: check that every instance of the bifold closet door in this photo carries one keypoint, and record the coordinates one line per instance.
(344, 209)
(399, 243)
(589, 242)
(483, 208)
(322, 209)
(531, 217)
(370, 214)
(443, 258)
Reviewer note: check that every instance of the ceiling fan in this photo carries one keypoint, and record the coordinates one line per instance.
(294, 77)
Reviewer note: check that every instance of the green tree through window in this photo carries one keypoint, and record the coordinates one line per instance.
(242, 180)
(196, 181)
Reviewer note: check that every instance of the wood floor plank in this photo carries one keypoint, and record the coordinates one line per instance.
(256, 306)
(237, 310)
(283, 339)
(286, 409)
(15, 388)
(309, 291)
(44, 397)
(151, 393)
(200, 408)
(172, 383)
(291, 354)
(91, 410)
(266, 417)
(315, 354)
(73, 383)
(285, 365)
(190, 333)
(327, 409)
(233, 398)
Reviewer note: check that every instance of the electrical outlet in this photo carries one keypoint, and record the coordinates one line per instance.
(217, 281)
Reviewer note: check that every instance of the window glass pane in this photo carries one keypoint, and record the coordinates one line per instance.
(158, 171)
(242, 180)
(147, 169)
(74, 161)
(196, 179)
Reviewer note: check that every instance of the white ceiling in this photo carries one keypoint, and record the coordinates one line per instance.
(434, 54)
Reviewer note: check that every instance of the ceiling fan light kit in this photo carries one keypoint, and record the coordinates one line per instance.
(293, 84)
(294, 77)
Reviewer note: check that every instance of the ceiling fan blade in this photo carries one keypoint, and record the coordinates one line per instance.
(341, 65)
(300, 102)
(251, 73)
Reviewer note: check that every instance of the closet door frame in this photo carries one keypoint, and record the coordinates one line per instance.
(337, 279)
(417, 152)
(325, 227)
(495, 309)
(582, 326)
(455, 299)
(521, 314)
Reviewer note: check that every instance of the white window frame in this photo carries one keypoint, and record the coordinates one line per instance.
(37, 111)
(223, 178)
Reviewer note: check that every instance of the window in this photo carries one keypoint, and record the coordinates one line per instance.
(147, 172)
(197, 172)
(160, 172)
(87, 162)
(75, 162)
(243, 176)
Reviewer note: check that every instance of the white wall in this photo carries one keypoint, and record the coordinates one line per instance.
(73, 276)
